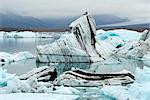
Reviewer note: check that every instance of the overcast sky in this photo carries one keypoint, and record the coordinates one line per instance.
(60, 8)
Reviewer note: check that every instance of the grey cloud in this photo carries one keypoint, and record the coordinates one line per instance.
(53, 8)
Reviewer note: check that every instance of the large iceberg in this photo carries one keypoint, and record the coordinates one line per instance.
(77, 46)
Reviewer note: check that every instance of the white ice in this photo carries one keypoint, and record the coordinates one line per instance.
(139, 90)
(8, 58)
(26, 34)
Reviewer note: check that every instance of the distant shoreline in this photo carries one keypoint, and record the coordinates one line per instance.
(65, 29)
(34, 30)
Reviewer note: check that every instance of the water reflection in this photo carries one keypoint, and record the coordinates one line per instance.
(125, 64)
(62, 67)
(13, 45)
(20, 67)
(24, 66)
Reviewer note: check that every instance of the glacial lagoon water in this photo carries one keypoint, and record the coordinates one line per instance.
(13, 45)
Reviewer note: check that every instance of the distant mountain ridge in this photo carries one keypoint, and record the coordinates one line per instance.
(25, 22)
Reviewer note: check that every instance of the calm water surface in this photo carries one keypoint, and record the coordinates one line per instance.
(13, 45)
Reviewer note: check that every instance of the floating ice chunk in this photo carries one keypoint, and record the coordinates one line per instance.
(22, 55)
(8, 58)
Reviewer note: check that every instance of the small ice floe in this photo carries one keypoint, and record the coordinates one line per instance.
(139, 90)
(8, 58)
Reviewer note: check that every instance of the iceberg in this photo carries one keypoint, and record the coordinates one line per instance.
(136, 49)
(8, 58)
(28, 34)
(85, 78)
(76, 46)
(125, 35)
(14, 34)
(108, 42)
